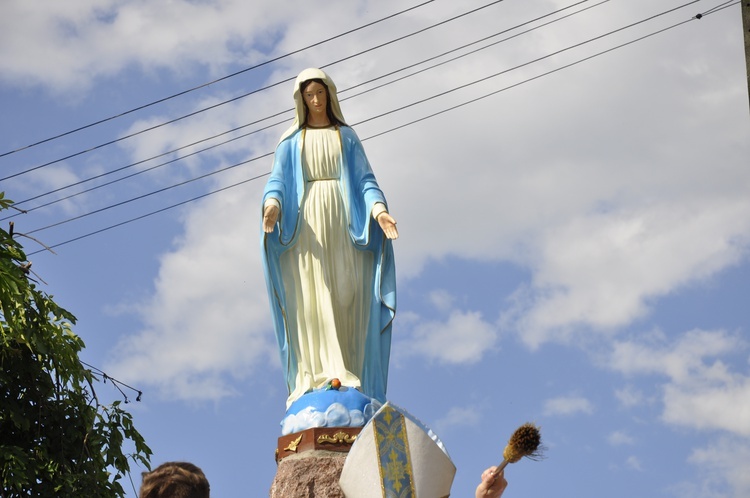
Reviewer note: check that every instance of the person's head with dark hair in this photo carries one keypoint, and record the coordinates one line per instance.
(175, 480)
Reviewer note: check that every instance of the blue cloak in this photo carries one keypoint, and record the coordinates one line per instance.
(361, 192)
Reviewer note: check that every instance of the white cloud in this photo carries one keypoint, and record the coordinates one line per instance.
(607, 214)
(463, 338)
(723, 464)
(612, 184)
(600, 271)
(629, 396)
(243, 143)
(702, 391)
(441, 299)
(619, 438)
(568, 405)
(457, 417)
(48, 179)
(679, 360)
(206, 323)
(449, 336)
(70, 46)
(710, 405)
(634, 463)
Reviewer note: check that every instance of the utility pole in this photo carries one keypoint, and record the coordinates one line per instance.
(746, 30)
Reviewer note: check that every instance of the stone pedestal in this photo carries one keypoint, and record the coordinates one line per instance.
(310, 462)
(310, 474)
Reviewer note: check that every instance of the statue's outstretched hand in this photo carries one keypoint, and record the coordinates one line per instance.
(270, 215)
(388, 224)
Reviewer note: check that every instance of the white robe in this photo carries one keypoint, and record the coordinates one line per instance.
(327, 280)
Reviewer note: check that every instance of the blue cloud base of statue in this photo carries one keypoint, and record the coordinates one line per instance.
(343, 407)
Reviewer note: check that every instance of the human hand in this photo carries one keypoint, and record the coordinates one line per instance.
(270, 215)
(388, 224)
(493, 485)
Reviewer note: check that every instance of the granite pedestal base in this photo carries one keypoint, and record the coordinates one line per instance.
(310, 462)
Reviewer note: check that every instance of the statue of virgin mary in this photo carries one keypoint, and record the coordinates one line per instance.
(327, 251)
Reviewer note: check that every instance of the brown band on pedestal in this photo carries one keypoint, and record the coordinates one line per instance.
(318, 438)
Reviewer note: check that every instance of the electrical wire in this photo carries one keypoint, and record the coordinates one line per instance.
(204, 85)
(383, 114)
(519, 66)
(167, 208)
(234, 99)
(528, 80)
(638, 39)
(290, 109)
(467, 45)
(216, 145)
(139, 172)
(720, 7)
(115, 382)
(149, 194)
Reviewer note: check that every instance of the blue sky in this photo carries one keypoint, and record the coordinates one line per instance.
(573, 251)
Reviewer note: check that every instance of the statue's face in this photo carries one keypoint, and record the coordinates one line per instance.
(316, 99)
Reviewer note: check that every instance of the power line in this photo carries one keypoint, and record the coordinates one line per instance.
(289, 110)
(649, 35)
(720, 7)
(391, 111)
(267, 87)
(167, 208)
(528, 80)
(115, 382)
(477, 49)
(203, 85)
(149, 194)
(144, 170)
(486, 78)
